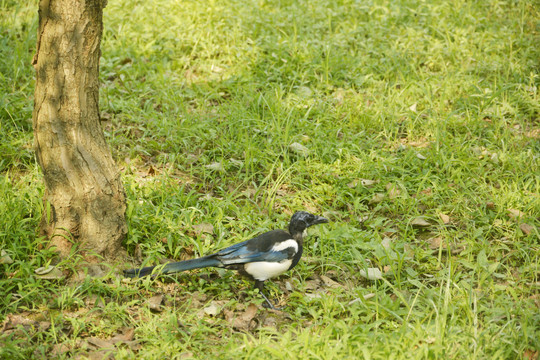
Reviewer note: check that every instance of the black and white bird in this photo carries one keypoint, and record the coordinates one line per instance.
(261, 258)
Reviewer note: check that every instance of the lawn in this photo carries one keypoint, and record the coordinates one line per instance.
(413, 125)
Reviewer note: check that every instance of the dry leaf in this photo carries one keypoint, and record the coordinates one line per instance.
(386, 242)
(203, 228)
(126, 335)
(530, 354)
(377, 198)
(216, 166)
(213, 309)
(299, 149)
(435, 243)
(49, 273)
(526, 228)
(242, 321)
(368, 182)
(515, 214)
(371, 273)
(5, 258)
(329, 282)
(100, 344)
(393, 191)
(444, 218)
(420, 221)
(154, 303)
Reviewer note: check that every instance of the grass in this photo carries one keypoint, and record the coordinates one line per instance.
(435, 103)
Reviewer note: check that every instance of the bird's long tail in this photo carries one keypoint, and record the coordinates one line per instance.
(207, 261)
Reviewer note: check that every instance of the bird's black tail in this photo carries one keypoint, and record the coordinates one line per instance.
(207, 261)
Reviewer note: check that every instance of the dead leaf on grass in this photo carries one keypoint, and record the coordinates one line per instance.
(214, 308)
(154, 303)
(243, 320)
(444, 218)
(526, 228)
(216, 166)
(515, 214)
(203, 228)
(420, 221)
(435, 243)
(377, 198)
(5, 258)
(386, 242)
(371, 273)
(299, 149)
(368, 182)
(393, 191)
(100, 344)
(329, 282)
(530, 354)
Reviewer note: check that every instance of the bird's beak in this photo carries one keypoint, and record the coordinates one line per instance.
(320, 220)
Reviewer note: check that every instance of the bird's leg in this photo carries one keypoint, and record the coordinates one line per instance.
(260, 285)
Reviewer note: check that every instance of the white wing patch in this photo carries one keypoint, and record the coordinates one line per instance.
(285, 245)
(263, 270)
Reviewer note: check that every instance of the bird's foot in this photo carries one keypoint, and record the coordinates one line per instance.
(268, 305)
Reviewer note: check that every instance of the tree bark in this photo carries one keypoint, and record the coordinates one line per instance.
(84, 200)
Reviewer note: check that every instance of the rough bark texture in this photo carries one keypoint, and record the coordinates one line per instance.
(84, 197)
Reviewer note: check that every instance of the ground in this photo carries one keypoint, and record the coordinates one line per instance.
(413, 125)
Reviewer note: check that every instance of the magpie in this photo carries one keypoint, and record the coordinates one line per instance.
(261, 258)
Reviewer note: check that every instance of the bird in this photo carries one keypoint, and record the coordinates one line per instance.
(260, 258)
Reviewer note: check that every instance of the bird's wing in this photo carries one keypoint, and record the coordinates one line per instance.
(259, 248)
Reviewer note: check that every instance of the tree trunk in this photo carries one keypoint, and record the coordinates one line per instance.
(84, 198)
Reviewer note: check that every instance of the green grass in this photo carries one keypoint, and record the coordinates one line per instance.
(436, 102)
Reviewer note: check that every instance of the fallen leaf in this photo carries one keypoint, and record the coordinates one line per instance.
(49, 273)
(526, 228)
(312, 284)
(288, 286)
(515, 214)
(393, 191)
(444, 218)
(315, 295)
(100, 355)
(435, 243)
(5, 258)
(243, 320)
(530, 354)
(386, 242)
(213, 309)
(154, 303)
(368, 182)
(371, 273)
(216, 166)
(420, 221)
(203, 228)
(59, 349)
(377, 198)
(126, 335)
(299, 149)
(329, 282)
(44, 270)
(100, 344)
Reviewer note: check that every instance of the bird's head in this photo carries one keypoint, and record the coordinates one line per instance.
(301, 220)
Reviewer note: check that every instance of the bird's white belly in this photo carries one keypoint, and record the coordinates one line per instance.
(263, 270)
